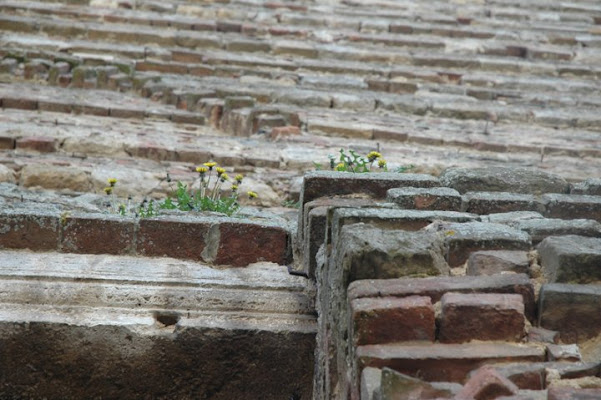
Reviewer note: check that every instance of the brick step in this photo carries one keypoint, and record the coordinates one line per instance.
(215, 240)
(73, 307)
(444, 362)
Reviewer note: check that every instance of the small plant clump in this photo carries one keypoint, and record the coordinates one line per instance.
(353, 162)
(207, 197)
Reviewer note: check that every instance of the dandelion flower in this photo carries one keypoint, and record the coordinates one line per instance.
(238, 178)
(220, 171)
(252, 195)
(373, 156)
(108, 190)
(201, 170)
(340, 167)
(224, 177)
(112, 181)
(210, 165)
(382, 163)
(234, 188)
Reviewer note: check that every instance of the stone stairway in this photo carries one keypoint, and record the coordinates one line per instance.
(377, 286)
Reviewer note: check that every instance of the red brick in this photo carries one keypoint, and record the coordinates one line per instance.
(542, 335)
(127, 113)
(389, 134)
(153, 151)
(19, 103)
(171, 68)
(481, 316)
(241, 244)
(443, 362)
(566, 393)
(55, 106)
(91, 110)
(95, 234)
(7, 143)
(188, 118)
(392, 319)
(486, 384)
(171, 237)
(37, 143)
(201, 70)
(26, 230)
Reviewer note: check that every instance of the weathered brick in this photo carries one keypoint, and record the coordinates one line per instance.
(34, 230)
(37, 143)
(279, 132)
(486, 384)
(541, 228)
(571, 259)
(568, 393)
(563, 352)
(499, 202)
(572, 206)
(463, 239)
(542, 335)
(502, 179)
(395, 385)
(532, 375)
(7, 143)
(241, 244)
(392, 319)
(481, 316)
(444, 362)
(425, 198)
(497, 261)
(172, 237)
(97, 234)
(55, 105)
(436, 287)
(591, 186)
(19, 103)
(326, 183)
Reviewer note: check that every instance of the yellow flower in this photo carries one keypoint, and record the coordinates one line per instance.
(108, 190)
(234, 187)
(201, 170)
(382, 163)
(252, 195)
(219, 171)
(224, 177)
(112, 181)
(373, 156)
(210, 165)
(238, 178)
(340, 167)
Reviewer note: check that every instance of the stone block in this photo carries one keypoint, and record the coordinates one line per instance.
(591, 186)
(37, 143)
(463, 239)
(19, 103)
(497, 261)
(330, 183)
(444, 362)
(572, 206)
(234, 102)
(436, 287)
(532, 376)
(542, 335)
(481, 316)
(34, 230)
(541, 228)
(567, 393)
(563, 352)
(511, 218)
(499, 202)
(392, 319)
(279, 132)
(365, 252)
(502, 179)
(571, 259)
(370, 383)
(425, 198)
(97, 234)
(171, 237)
(243, 243)
(397, 386)
(486, 384)
(572, 310)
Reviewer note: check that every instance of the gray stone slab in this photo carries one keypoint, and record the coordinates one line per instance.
(463, 239)
(539, 229)
(571, 259)
(572, 206)
(499, 202)
(511, 217)
(370, 383)
(503, 179)
(591, 186)
(497, 261)
(573, 310)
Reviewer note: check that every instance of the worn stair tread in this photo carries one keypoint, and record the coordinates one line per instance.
(89, 289)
